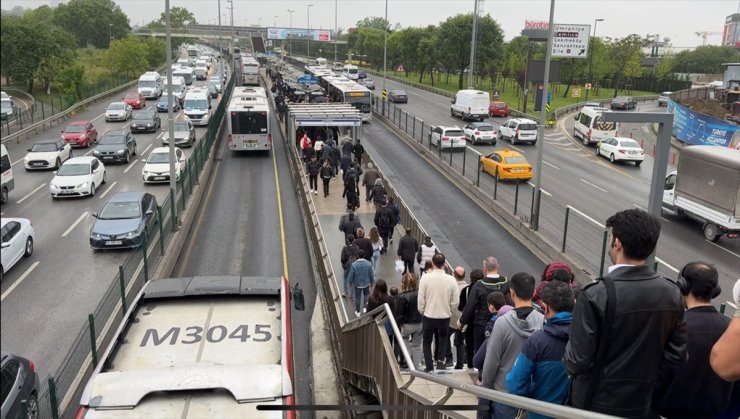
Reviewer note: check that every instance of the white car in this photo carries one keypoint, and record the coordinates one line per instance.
(47, 154)
(621, 149)
(157, 166)
(17, 242)
(447, 138)
(518, 130)
(118, 111)
(78, 176)
(480, 132)
(216, 82)
(664, 98)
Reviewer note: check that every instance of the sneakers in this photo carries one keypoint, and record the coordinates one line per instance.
(315, 192)
(441, 366)
(449, 363)
(364, 310)
(458, 366)
(311, 191)
(357, 313)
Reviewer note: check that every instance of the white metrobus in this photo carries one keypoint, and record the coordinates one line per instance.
(250, 70)
(342, 89)
(249, 120)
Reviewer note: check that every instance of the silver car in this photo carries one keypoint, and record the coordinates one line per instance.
(184, 134)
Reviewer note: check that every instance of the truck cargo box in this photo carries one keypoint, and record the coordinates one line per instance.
(711, 176)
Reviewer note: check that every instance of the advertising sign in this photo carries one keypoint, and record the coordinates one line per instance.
(698, 129)
(303, 34)
(307, 79)
(570, 41)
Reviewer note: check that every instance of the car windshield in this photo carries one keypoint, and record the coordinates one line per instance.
(147, 83)
(156, 158)
(120, 211)
(44, 147)
(134, 97)
(116, 106)
(499, 105)
(144, 115)
(528, 127)
(629, 143)
(453, 133)
(75, 128)
(181, 126)
(111, 139)
(484, 127)
(352, 71)
(515, 160)
(6, 104)
(74, 169)
(602, 125)
(196, 104)
(398, 93)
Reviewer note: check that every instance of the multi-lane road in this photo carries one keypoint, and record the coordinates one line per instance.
(46, 298)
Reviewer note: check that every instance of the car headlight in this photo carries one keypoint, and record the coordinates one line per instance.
(132, 233)
(120, 151)
(53, 187)
(149, 125)
(96, 235)
(82, 186)
(62, 137)
(95, 152)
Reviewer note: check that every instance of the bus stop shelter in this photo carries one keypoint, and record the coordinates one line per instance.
(313, 118)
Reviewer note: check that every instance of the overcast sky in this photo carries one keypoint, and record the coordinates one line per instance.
(676, 19)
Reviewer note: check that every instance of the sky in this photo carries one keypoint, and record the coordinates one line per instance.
(678, 20)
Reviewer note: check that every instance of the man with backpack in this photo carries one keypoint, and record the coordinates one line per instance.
(349, 225)
(358, 150)
(349, 256)
(476, 312)
(382, 220)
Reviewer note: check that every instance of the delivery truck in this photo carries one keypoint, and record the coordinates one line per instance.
(706, 188)
(195, 347)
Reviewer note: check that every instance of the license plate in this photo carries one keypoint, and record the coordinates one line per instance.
(158, 178)
(66, 192)
(37, 164)
(113, 242)
(249, 141)
(107, 157)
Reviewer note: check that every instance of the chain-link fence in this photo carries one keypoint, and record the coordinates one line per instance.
(59, 394)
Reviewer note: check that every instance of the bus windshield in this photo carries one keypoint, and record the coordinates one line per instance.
(360, 102)
(248, 123)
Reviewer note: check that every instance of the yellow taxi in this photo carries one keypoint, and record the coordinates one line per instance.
(509, 164)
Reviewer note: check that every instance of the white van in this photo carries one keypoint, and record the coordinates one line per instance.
(351, 71)
(179, 88)
(198, 106)
(590, 126)
(201, 69)
(470, 104)
(6, 168)
(151, 84)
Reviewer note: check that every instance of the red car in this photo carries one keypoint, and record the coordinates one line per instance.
(136, 100)
(80, 134)
(498, 108)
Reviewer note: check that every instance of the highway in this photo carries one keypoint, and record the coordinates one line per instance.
(573, 175)
(46, 297)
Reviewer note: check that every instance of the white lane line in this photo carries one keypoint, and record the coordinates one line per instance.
(145, 150)
(16, 162)
(591, 184)
(130, 166)
(31, 193)
(638, 207)
(89, 152)
(159, 137)
(517, 149)
(543, 191)
(125, 125)
(726, 250)
(107, 190)
(551, 165)
(661, 261)
(19, 280)
(731, 304)
(665, 219)
(79, 220)
(101, 115)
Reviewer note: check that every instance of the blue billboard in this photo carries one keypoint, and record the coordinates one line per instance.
(696, 128)
(323, 35)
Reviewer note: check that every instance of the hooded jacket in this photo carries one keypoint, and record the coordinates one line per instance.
(475, 311)
(538, 371)
(426, 251)
(509, 334)
(361, 274)
(378, 193)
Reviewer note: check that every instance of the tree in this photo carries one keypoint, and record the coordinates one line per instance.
(625, 54)
(127, 56)
(374, 22)
(155, 49)
(56, 50)
(706, 59)
(408, 50)
(428, 51)
(180, 17)
(664, 68)
(369, 42)
(69, 81)
(18, 50)
(92, 22)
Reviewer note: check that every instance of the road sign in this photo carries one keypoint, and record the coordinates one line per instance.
(307, 79)
(570, 41)
(547, 107)
(549, 96)
(385, 94)
(400, 68)
(576, 92)
(588, 86)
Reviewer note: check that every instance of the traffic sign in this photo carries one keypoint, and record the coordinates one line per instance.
(570, 41)
(307, 79)
(576, 92)
(385, 94)
(588, 86)
(400, 68)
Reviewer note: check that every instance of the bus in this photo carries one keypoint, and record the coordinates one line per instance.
(249, 120)
(341, 89)
(250, 71)
(193, 54)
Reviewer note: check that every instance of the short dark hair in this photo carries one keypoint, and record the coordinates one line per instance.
(476, 275)
(350, 238)
(523, 285)
(637, 230)
(702, 278)
(496, 299)
(438, 260)
(558, 296)
(360, 254)
(562, 275)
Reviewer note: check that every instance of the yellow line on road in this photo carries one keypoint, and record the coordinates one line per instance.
(280, 216)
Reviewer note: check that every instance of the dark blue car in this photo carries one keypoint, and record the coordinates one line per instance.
(124, 220)
(162, 104)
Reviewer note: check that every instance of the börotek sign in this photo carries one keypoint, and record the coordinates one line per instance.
(570, 40)
(288, 33)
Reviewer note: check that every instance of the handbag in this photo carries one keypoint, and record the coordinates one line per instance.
(399, 266)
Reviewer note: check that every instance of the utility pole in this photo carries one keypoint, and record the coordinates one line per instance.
(471, 67)
(308, 24)
(290, 38)
(336, 34)
(170, 114)
(231, 38)
(385, 44)
(591, 58)
(220, 42)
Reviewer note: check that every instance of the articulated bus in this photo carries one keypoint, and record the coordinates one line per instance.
(250, 71)
(342, 89)
(249, 120)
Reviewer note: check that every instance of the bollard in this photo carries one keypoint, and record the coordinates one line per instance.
(516, 196)
(161, 231)
(495, 184)
(465, 153)
(407, 123)
(565, 228)
(144, 245)
(93, 345)
(477, 180)
(450, 153)
(413, 128)
(603, 253)
(43, 114)
(421, 132)
(53, 402)
(122, 283)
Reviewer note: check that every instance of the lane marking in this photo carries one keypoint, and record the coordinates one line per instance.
(280, 217)
(543, 191)
(107, 190)
(17, 161)
(591, 184)
(30, 193)
(20, 279)
(551, 165)
(726, 250)
(79, 220)
(99, 116)
(130, 165)
(146, 149)
(661, 261)
(638, 207)
(665, 219)
(517, 149)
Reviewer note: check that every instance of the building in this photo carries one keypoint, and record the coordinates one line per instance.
(731, 34)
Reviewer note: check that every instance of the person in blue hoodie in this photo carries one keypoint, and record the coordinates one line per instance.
(539, 372)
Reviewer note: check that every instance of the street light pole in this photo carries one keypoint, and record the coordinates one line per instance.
(471, 67)
(231, 38)
(110, 34)
(591, 58)
(220, 41)
(308, 24)
(336, 35)
(170, 114)
(385, 44)
(274, 21)
(290, 38)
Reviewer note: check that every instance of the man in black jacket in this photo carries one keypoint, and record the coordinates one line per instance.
(407, 248)
(697, 392)
(616, 363)
(350, 225)
(382, 220)
(475, 313)
(365, 244)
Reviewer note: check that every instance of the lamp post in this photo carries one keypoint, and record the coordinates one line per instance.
(220, 42)
(308, 25)
(110, 34)
(170, 114)
(274, 21)
(591, 58)
(336, 4)
(231, 39)
(290, 38)
(385, 45)
(471, 67)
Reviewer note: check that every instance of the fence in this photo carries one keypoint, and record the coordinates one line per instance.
(59, 394)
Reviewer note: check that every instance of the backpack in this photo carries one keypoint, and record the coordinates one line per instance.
(384, 221)
(482, 314)
(351, 254)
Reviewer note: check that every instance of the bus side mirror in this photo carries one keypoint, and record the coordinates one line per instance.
(297, 296)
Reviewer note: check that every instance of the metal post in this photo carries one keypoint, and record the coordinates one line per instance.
(471, 67)
(526, 76)
(144, 245)
(565, 228)
(53, 401)
(170, 114)
(421, 133)
(93, 344)
(308, 23)
(413, 128)
(722, 308)
(172, 205)
(407, 123)
(385, 44)
(477, 179)
(516, 196)
(122, 283)
(161, 231)
(541, 126)
(591, 58)
(495, 185)
(450, 154)
(24, 409)
(603, 253)
(336, 35)
(465, 154)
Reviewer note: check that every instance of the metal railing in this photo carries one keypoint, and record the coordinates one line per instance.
(60, 392)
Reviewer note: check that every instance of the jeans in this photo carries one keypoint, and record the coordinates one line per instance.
(459, 346)
(361, 294)
(313, 183)
(374, 261)
(347, 288)
(414, 346)
(429, 327)
(326, 185)
(504, 411)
